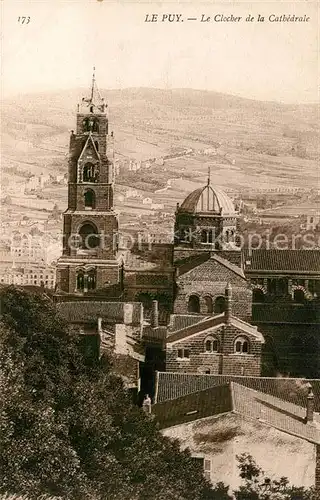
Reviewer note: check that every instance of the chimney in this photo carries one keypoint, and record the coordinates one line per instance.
(154, 314)
(310, 405)
(99, 325)
(228, 310)
(127, 313)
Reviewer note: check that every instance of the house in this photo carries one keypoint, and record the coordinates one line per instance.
(219, 344)
(114, 327)
(228, 418)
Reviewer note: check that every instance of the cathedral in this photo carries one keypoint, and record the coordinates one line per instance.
(201, 304)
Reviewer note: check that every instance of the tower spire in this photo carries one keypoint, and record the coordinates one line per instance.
(209, 173)
(93, 82)
(95, 101)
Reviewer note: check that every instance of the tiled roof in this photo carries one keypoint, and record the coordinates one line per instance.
(207, 199)
(286, 313)
(284, 260)
(174, 385)
(249, 403)
(180, 321)
(202, 404)
(275, 412)
(157, 334)
(89, 311)
(205, 323)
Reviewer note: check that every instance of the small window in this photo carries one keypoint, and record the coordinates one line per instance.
(183, 353)
(207, 371)
(298, 296)
(209, 304)
(211, 344)
(241, 346)
(220, 305)
(207, 465)
(194, 304)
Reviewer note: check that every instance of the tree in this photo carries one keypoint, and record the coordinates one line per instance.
(257, 486)
(68, 427)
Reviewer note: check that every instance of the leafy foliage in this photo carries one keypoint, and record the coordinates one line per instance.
(257, 486)
(68, 427)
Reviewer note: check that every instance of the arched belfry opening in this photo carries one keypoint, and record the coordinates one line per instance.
(90, 173)
(89, 236)
(89, 199)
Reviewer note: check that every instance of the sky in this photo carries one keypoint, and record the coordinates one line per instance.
(64, 39)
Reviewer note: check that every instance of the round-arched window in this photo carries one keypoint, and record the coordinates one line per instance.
(241, 345)
(194, 304)
(89, 236)
(298, 296)
(211, 344)
(209, 304)
(257, 295)
(220, 305)
(89, 199)
(89, 173)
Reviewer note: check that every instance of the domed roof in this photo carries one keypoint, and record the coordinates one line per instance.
(208, 200)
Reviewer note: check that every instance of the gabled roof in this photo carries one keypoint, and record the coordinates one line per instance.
(208, 323)
(203, 404)
(248, 403)
(83, 311)
(274, 412)
(284, 260)
(89, 140)
(203, 260)
(294, 390)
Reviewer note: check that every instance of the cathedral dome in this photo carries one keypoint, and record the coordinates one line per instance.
(208, 200)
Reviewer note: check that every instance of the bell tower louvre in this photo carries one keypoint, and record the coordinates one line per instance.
(89, 260)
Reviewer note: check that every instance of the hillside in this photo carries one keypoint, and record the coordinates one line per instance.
(251, 143)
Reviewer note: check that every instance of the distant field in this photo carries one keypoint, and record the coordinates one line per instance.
(258, 144)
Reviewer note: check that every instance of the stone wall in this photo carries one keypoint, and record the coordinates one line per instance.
(224, 362)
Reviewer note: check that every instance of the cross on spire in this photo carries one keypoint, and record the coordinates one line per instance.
(209, 174)
(95, 101)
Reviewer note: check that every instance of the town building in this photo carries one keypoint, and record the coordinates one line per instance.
(218, 418)
(207, 304)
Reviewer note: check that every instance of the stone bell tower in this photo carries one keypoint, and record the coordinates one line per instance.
(90, 226)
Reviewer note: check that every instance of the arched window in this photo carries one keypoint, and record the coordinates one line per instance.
(227, 236)
(204, 236)
(211, 344)
(80, 280)
(89, 173)
(209, 304)
(220, 305)
(89, 199)
(194, 304)
(298, 296)
(257, 295)
(91, 279)
(272, 286)
(241, 346)
(89, 236)
(282, 288)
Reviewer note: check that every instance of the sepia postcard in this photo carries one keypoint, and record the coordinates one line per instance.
(160, 250)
